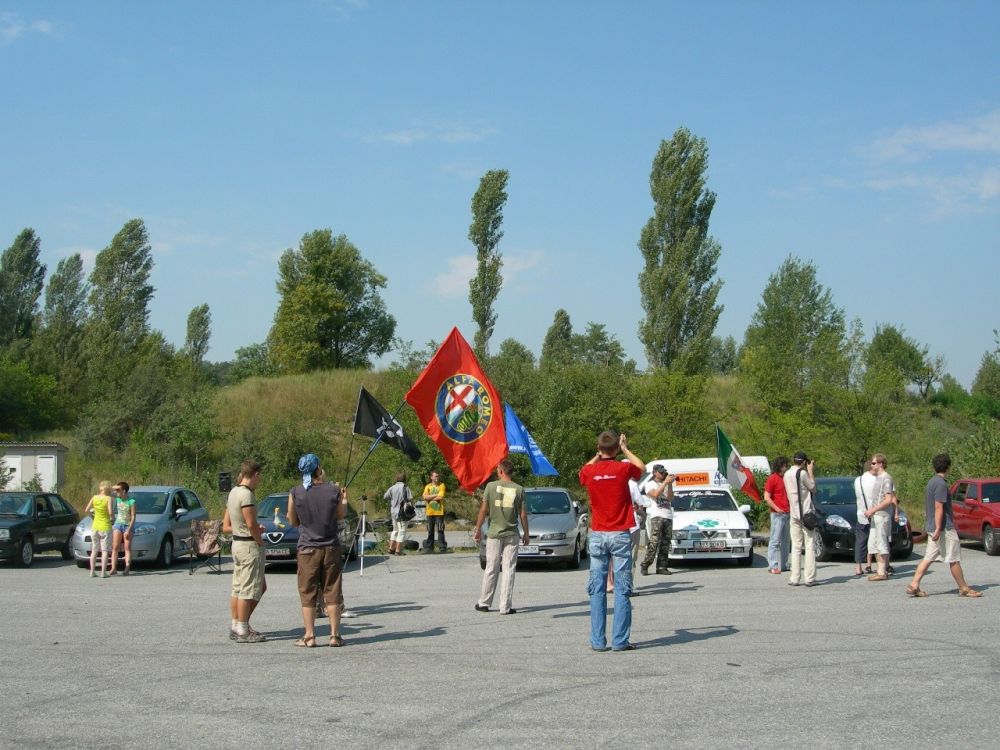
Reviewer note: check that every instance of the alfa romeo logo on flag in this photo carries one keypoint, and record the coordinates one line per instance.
(464, 408)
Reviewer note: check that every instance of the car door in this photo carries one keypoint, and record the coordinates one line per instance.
(181, 521)
(45, 525)
(64, 519)
(974, 515)
(959, 510)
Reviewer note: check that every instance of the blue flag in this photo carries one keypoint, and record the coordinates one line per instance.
(520, 441)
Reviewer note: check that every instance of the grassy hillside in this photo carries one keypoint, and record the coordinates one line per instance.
(279, 419)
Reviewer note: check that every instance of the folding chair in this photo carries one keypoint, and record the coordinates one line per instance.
(206, 547)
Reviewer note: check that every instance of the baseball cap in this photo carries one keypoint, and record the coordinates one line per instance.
(801, 456)
(660, 468)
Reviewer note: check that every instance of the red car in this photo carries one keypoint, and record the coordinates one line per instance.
(976, 504)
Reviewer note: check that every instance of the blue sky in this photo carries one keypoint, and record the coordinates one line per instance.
(864, 137)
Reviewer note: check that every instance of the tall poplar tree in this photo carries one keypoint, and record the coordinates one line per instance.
(485, 234)
(21, 280)
(678, 283)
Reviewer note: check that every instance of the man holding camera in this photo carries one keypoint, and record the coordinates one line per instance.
(659, 491)
(800, 483)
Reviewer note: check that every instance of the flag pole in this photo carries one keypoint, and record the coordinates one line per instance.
(372, 447)
(350, 452)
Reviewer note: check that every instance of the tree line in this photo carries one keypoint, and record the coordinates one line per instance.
(77, 351)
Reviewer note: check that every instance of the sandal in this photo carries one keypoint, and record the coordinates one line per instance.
(336, 641)
(915, 592)
(305, 642)
(971, 593)
(868, 570)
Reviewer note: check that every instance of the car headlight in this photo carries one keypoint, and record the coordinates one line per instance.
(81, 528)
(739, 534)
(560, 535)
(4, 533)
(903, 520)
(679, 535)
(143, 529)
(838, 521)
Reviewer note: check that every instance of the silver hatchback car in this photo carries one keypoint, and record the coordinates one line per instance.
(162, 531)
(558, 528)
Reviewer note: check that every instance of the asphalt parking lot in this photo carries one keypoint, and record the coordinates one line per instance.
(728, 657)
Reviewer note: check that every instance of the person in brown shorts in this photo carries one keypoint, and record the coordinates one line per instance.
(317, 507)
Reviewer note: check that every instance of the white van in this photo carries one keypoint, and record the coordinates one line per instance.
(708, 524)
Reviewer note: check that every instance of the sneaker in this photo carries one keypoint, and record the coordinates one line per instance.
(482, 608)
(127, 571)
(510, 611)
(104, 575)
(251, 637)
(663, 572)
(644, 569)
(626, 647)
(93, 574)
(810, 584)
(232, 635)
(793, 583)
(347, 614)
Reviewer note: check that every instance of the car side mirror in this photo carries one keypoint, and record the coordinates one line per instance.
(43, 514)
(576, 507)
(180, 512)
(744, 509)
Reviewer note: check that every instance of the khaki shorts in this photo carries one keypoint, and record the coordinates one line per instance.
(878, 536)
(946, 549)
(101, 540)
(319, 572)
(248, 570)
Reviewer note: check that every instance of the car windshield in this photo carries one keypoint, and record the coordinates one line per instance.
(269, 503)
(991, 492)
(16, 504)
(703, 500)
(149, 502)
(546, 503)
(835, 491)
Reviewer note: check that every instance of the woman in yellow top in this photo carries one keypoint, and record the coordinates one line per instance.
(100, 533)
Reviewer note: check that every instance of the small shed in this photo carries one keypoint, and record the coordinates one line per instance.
(24, 462)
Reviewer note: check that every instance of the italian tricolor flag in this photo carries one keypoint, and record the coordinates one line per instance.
(732, 468)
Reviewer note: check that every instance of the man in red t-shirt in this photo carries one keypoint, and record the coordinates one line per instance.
(611, 519)
(777, 499)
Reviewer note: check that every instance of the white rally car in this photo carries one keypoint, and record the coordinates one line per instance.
(708, 524)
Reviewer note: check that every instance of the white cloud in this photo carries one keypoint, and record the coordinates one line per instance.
(12, 27)
(461, 268)
(977, 134)
(975, 190)
(432, 132)
(87, 254)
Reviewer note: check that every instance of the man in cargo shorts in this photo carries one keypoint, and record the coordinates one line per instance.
(942, 539)
(881, 514)
(248, 553)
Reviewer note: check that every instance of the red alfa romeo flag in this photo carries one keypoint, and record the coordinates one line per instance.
(460, 411)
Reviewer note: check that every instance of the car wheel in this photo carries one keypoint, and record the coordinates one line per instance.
(166, 556)
(83, 563)
(26, 553)
(585, 548)
(482, 563)
(822, 551)
(67, 549)
(990, 542)
(574, 562)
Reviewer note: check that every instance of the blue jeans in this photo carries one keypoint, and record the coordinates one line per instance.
(777, 547)
(605, 546)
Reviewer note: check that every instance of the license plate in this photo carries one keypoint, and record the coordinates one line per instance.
(528, 549)
(710, 546)
(277, 553)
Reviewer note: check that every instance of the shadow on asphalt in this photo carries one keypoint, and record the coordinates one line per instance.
(690, 635)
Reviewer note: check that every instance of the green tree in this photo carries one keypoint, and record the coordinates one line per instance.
(678, 283)
(21, 280)
(557, 348)
(987, 380)
(252, 361)
(26, 400)
(890, 347)
(596, 346)
(331, 314)
(56, 349)
(513, 372)
(199, 332)
(120, 293)
(797, 336)
(722, 355)
(485, 234)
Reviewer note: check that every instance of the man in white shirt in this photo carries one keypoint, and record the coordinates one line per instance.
(659, 494)
(864, 493)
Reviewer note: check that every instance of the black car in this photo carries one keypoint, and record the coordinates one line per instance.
(838, 512)
(281, 538)
(33, 522)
